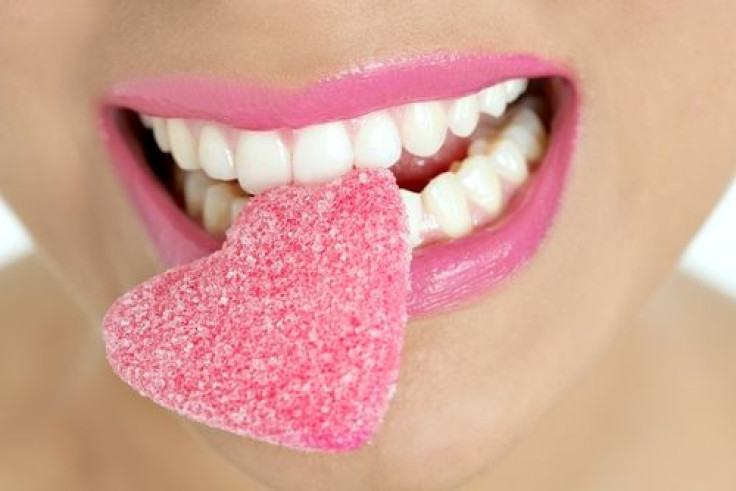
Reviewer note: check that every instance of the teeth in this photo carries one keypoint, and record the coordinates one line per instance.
(215, 155)
(236, 207)
(322, 152)
(527, 131)
(478, 147)
(377, 143)
(424, 128)
(194, 188)
(263, 161)
(532, 147)
(529, 118)
(508, 161)
(217, 211)
(182, 144)
(471, 193)
(463, 115)
(146, 121)
(415, 215)
(445, 200)
(515, 87)
(481, 183)
(493, 100)
(161, 134)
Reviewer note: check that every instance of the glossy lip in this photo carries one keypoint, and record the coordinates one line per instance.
(444, 275)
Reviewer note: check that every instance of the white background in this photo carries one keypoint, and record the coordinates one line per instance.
(710, 257)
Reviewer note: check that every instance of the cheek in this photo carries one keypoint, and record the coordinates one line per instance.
(57, 175)
(656, 148)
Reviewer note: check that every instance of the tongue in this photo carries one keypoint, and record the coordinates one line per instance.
(291, 334)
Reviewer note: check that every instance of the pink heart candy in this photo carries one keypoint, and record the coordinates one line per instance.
(292, 333)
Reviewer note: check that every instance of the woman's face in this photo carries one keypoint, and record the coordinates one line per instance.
(656, 143)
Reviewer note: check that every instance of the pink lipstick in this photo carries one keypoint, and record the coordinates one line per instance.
(444, 274)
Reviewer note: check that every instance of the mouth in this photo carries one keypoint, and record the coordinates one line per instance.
(479, 146)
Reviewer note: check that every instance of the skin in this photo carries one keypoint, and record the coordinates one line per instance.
(656, 149)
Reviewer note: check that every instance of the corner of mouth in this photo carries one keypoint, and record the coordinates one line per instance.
(480, 147)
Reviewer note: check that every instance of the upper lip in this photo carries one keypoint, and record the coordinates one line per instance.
(349, 94)
(442, 276)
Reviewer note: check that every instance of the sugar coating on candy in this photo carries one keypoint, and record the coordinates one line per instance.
(292, 333)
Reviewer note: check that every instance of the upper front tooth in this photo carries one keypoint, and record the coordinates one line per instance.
(415, 215)
(215, 155)
(515, 87)
(263, 161)
(182, 144)
(424, 128)
(322, 152)
(493, 100)
(508, 161)
(161, 134)
(444, 198)
(377, 143)
(481, 183)
(463, 115)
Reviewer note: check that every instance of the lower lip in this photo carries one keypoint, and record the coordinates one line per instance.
(443, 276)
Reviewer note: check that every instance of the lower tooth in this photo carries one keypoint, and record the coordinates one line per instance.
(194, 189)
(217, 208)
(445, 200)
(236, 207)
(529, 119)
(532, 147)
(528, 130)
(478, 147)
(508, 161)
(535, 105)
(415, 215)
(481, 184)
